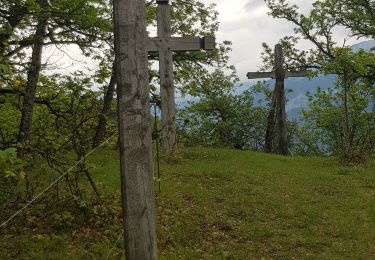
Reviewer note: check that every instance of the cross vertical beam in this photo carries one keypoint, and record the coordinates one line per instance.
(134, 129)
(166, 45)
(280, 100)
(167, 90)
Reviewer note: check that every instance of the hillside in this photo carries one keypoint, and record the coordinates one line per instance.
(218, 203)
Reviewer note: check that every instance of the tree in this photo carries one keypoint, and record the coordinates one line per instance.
(199, 19)
(83, 24)
(354, 71)
(343, 114)
(221, 118)
(33, 76)
(356, 15)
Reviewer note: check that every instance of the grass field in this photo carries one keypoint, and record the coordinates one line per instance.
(217, 204)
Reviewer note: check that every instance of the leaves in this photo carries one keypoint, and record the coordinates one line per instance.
(10, 164)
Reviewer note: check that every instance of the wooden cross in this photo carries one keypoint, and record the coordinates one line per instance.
(278, 102)
(165, 45)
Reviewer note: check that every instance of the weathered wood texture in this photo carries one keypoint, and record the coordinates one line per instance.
(166, 45)
(272, 74)
(278, 102)
(296, 74)
(280, 90)
(181, 43)
(134, 129)
(271, 121)
(260, 75)
(167, 90)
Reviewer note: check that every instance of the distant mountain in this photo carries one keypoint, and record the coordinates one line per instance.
(367, 45)
(297, 100)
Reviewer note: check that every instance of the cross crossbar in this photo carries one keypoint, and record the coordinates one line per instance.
(272, 74)
(181, 43)
(261, 75)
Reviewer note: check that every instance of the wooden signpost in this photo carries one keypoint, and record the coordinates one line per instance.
(134, 129)
(278, 102)
(166, 45)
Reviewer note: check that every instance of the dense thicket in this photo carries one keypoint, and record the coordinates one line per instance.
(53, 117)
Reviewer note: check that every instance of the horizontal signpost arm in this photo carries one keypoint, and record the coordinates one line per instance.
(260, 75)
(296, 74)
(208, 43)
(181, 44)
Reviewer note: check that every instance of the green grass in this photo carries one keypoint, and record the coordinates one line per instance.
(218, 203)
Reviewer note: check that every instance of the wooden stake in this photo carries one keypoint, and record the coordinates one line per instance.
(134, 129)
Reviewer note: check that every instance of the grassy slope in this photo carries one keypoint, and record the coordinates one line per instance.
(217, 203)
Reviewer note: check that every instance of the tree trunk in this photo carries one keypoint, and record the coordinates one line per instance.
(32, 79)
(271, 124)
(108, 98)
(134, 129)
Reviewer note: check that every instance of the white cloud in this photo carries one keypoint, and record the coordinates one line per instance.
(244, 22)
(247, 24)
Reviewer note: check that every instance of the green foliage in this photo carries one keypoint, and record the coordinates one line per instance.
(356, 15)
(340, 120)
(219, 203)
(343, 116)
(12, 174)
(9, 121)
(10, 164)
(221, 118)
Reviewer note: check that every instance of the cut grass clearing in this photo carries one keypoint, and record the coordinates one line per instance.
(218, 203)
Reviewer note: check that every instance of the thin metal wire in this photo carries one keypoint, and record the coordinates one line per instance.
(54, 182)
(118, 239)
(157, 147)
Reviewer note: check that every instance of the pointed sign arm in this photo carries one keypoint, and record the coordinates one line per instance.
(296, 74)
(260, 75)
(181, 43)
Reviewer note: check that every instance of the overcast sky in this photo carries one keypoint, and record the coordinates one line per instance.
(243, 22)
(247, 25)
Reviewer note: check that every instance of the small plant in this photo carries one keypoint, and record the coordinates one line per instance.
(10, 164)
(11, 173)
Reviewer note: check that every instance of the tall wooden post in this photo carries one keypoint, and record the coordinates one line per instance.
(167, 90)
(134, 129)
(280, 97)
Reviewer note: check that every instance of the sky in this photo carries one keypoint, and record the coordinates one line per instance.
(247, 24)
(243, 22)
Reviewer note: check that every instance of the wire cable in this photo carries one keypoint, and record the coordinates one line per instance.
(54, 182)
(157, 148)
(118, 239)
